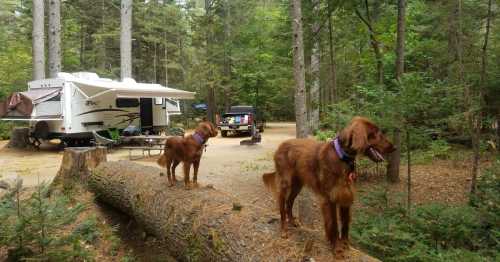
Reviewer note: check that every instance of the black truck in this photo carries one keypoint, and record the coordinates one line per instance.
(241, 119)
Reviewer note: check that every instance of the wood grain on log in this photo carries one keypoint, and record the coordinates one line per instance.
(202, 224)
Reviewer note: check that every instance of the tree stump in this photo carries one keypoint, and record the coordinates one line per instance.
(19, 138)
(77, 166)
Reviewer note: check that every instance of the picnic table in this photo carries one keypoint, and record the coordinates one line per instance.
(146, 143)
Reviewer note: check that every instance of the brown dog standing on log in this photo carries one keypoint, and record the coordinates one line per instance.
(328, 169)
(187, 150)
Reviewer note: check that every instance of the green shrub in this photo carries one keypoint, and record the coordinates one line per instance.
(88, 230)
(33, 228)
(5, 129)
(432, 232)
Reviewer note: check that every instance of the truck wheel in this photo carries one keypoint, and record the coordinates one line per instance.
(223, 133)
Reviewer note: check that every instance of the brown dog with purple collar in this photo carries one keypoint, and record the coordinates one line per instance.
(187, 150)
(327, 168)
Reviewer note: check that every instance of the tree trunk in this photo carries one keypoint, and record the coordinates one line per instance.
(408, 156)
(203, 224)
(299, 71)
(395, 159)
(315, 69)
(19, 138)
(211, 103)
(305, 199)
(476, 124)
(227, 56)
(38, 40)
(373, 42)
(400, 49)
(166, 58)
(54, 37)
(126, 39)
(333, 88)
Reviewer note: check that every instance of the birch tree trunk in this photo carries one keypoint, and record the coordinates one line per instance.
(304, 199)
(298, 70)
(211, 102)
(333, 86)
(38, 40)
(126, 39)
(54, 37)
(315, 69)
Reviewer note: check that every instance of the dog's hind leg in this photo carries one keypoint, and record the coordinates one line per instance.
(174, 165)
(284, 194)
(295, 190)
(168, 163)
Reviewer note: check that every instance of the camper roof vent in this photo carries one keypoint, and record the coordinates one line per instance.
(45, 83)
(129, 80)
(86, 75)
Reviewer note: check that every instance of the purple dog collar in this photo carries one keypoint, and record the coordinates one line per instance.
(340, 152)
(199, 138)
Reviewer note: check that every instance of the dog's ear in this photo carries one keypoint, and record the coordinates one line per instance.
(215, 132)
(358, 134)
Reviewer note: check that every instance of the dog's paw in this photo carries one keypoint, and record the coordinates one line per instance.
(294, 222)
(342, 250)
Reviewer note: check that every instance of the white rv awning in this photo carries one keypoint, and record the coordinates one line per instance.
(92, 86)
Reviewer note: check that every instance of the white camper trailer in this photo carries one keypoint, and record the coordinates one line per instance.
(72, 106)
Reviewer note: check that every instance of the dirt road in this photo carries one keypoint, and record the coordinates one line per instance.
(225, 164)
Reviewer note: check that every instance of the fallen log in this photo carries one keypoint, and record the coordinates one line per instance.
(202, 224)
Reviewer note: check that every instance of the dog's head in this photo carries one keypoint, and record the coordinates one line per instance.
(366, 138)
(207, 129)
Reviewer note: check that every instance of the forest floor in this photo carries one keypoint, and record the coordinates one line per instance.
(237, 170)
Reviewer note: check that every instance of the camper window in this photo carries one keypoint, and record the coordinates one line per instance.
(127, 102)
(158, 100)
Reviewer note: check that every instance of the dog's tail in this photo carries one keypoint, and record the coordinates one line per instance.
(162, 161)
(270, 181)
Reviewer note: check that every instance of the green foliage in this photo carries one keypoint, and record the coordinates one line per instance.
(6, 128)
(194, 250)
(433, 232)
(88, 230)
(34, 228)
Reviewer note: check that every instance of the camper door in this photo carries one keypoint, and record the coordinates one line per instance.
(160, 114)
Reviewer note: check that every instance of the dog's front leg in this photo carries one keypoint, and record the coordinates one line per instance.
(345, 220)
(329, 212)
(196, 165)
(187, 167)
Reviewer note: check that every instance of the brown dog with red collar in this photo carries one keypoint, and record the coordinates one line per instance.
(187, 150)
(328, 169)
